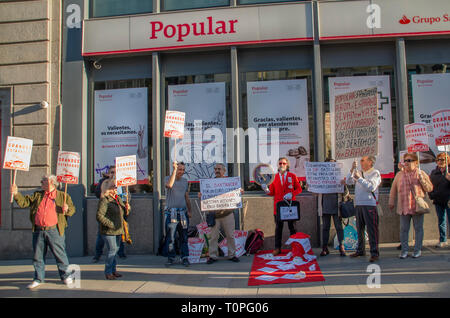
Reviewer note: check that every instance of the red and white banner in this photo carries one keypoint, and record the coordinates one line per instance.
(126, 171)
(416, 137)
(195, 245)
(18, 153)
(240, 237)
(174, 124)
(441, 127)
(68, 167)
(203, 228)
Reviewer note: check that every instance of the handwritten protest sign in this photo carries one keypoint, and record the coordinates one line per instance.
(416, 137)
(220, 193)
(356, 124)
(324, 177)
(441, 127)
(126, 174)
(239, 239)
(195, 245)
(174, 124)
(17, 153)
(68, 167)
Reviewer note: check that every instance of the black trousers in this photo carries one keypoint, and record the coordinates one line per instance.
(279, 231)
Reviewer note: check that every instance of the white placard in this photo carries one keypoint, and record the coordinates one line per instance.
(430, 93)
(204, 142)
(126, 171)
(283, 105)
(220, 193)
(240, 237)
(416, 137)
(441, 127)
(68, 167)
(195, 246)
(18, 153)
(324, 177)
(340, 85)
(121, 129)
(174, 124)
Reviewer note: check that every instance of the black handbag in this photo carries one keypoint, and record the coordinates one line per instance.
(211, 219)
(288, 211)
(347, 208)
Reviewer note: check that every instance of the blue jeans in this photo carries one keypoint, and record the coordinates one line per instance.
(171, 230)
(442, 222)
(112, 245)
(57, 244)
(99, 244)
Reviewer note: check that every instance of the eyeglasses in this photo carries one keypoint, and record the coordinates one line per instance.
(282, 163)
(437, 160)
(409, 160)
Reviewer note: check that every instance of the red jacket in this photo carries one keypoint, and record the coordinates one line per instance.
(277, 190)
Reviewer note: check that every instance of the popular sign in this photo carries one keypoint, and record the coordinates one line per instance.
(220, 193)
(441, 127)
(126, 171)
(17, 153)
(68, 167)
(174, 124)
(416, 137)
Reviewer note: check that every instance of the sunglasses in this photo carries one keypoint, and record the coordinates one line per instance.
(437, 160)
(282, 163)
(408, 160)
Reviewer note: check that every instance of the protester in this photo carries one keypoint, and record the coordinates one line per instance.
(330, 208)
(49, 209)
(177, 213)
(284, 187)
(110, 212)
(366, 184)
(223, 219)
(440, 177)
(405, 182)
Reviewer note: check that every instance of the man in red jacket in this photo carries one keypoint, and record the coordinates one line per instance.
(285, 186)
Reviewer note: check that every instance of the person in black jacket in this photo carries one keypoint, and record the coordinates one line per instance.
(440, 177)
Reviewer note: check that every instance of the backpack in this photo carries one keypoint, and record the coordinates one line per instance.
(254, 241)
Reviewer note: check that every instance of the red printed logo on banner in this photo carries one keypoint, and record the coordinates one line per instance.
(404, 20)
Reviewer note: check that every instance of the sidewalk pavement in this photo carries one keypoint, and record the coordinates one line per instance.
(147, 276)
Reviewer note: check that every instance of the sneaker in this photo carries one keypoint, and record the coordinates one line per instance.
(417, 254)
(235, 259)
(441, 245)
(404, 255)
(68, 280)
(34, 284)
(186, 262)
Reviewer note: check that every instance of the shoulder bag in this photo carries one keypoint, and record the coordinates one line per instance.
(422, 206)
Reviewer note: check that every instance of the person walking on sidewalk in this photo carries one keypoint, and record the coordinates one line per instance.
(440, 177)
(110, 212)
(48, 215)
(223, 219)
(285, 186)
(366, 184)
(177, 213)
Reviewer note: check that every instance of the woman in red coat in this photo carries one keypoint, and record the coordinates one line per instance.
(284, 187)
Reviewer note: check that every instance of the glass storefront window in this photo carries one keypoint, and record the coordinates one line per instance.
(107, 8)
(170, 5)
(264, 1)
(209, 113)
(133, 139)
(362, 71)
(285, 123)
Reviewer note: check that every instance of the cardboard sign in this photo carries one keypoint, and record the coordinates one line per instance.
(416, 137)
(68, 167)
(324, 177)
(441, 127)
(18, 153)
(126, 174)
(220, 194)
(356, 124)
(174, 124)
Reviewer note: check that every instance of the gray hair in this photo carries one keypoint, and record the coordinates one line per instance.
(222, 165)
(373, 159)
(52, 178)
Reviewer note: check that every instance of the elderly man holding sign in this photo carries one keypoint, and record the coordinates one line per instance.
(48, 215)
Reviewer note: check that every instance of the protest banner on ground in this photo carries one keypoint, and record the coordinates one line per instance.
(68, 167)
(174, 124)
(220, 193)
(416, 137)
(126, 171)
(441, 127)
(356, 124)
(324, 177)
(17, 155)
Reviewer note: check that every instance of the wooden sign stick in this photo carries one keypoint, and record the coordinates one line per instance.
(14, 182)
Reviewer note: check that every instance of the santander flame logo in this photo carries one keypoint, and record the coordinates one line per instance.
(404, 20)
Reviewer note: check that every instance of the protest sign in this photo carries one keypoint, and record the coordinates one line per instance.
(324, 177)
(126, 171)
(203, 228)
(441, 127)
(220, 193)
(174, 124)
(239, 239)
(195, 245)
(68, 167)
(416, 137)
(356, 124)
